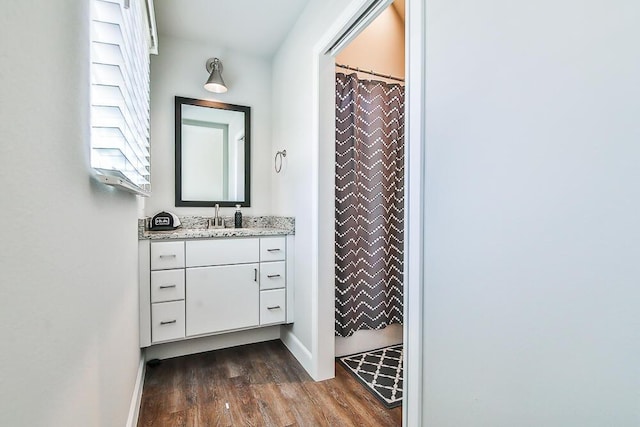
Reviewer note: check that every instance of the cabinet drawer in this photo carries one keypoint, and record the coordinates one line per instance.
(272, 306)
(201, 253)
(222, 298)
(272, 275)
(167, 255)
(167, 321)
(167, 285)
(272, 248)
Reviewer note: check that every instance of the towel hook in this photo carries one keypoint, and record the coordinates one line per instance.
(279, 155)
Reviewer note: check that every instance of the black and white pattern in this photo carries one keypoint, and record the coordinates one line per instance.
(369, 204)
(380, 371)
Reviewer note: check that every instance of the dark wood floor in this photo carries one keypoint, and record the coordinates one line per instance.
(255, 385)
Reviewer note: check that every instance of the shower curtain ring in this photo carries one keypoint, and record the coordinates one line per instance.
(279, 154)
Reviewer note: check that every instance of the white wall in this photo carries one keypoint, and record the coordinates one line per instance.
(179, 70)
(294, 106)
(68, 293)
(532, 236)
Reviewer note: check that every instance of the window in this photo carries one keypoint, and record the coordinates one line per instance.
(122, 36)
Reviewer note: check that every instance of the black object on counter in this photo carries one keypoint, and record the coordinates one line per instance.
(237, 218)
(165, 221)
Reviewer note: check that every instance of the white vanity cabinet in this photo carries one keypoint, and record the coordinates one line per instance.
(199, 287)
(167, 291)
(273, 280)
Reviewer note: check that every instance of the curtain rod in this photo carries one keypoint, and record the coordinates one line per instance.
(373, 73)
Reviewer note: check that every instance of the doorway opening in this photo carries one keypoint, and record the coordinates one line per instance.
(369, 181)
(357, 16)
(369, 206)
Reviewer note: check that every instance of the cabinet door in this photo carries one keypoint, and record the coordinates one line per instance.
(222, 298)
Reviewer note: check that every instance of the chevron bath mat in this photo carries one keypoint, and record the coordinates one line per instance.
(380, 371)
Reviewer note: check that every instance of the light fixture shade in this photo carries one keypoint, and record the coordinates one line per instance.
(215, 83)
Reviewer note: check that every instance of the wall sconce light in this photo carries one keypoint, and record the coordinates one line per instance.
(215, 83)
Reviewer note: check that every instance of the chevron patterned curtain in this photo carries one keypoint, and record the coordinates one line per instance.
(369, 203)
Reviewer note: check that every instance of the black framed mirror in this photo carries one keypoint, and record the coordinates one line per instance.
(213, 147)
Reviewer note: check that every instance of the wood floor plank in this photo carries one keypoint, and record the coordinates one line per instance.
(214, 414)
(300, 405)
(273, 403)
(255, 385)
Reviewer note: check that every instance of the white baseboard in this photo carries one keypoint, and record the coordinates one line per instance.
(136, 398)
(299, 351)
(214, 342)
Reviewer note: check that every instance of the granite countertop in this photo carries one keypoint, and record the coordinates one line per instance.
(195, 228)
(195, 233)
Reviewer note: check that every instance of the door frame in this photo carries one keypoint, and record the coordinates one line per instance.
(323, 196)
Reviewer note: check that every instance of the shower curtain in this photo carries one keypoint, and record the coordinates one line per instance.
(369, 204)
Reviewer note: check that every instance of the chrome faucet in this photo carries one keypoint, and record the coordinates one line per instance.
(216, 221)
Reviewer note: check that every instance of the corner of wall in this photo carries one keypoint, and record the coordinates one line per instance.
(299, 351)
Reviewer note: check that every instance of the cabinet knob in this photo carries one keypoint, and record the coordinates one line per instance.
(168, 256)
(167, 286)
(273, 307)
(273, 276)
(168, 322)
(273, 250)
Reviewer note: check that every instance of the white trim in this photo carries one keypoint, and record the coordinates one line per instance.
(322, 338)
(314, 225)
(121, 184)
(152, 28)
(295, 346)
(314, 221)
(213, 342)
(291, 278)
(136, 397)
(414, 213)
(414, 233)
(353, 12)
(356, 25)
(144, 292)
(325, 353)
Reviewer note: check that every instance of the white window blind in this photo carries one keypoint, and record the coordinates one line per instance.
(120, 93)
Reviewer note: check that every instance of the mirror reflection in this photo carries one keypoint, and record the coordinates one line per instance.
(212, 153)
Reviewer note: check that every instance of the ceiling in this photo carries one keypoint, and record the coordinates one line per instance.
(254, 27)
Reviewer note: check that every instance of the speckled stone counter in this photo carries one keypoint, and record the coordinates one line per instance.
(195, 227)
